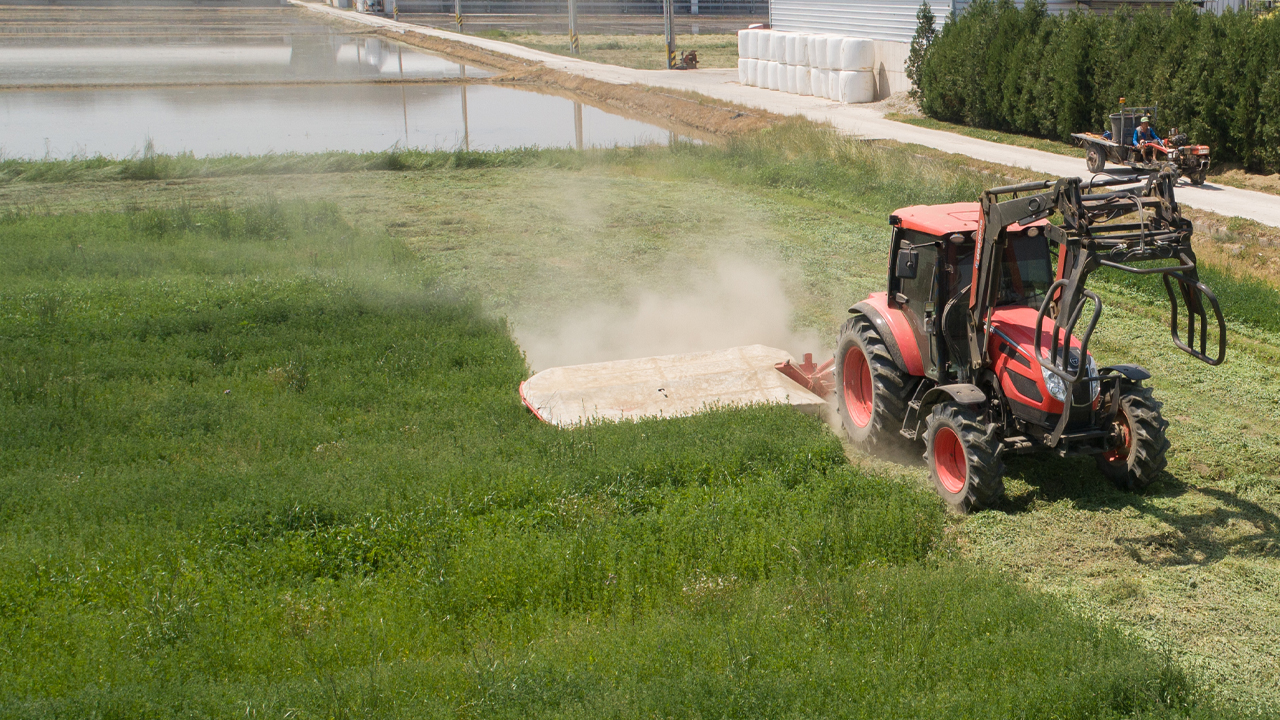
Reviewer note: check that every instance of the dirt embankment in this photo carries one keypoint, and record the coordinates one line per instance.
(685, 114)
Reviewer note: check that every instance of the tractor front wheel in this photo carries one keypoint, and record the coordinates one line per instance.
(1138, 456)
(871, 391)
(960, 450)
(1094, 159)
(1197, 177)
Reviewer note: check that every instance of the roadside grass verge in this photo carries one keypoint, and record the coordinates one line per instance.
(1054, 146)
(255, 459)
(1243, 299)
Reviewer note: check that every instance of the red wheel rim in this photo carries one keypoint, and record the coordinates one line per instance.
(858, 391)
(1120, 453)
(949, 461)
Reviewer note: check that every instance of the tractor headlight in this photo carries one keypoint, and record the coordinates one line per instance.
(1057, 388)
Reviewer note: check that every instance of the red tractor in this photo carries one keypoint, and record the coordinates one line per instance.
(974, 350)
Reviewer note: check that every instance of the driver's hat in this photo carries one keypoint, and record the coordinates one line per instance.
(1145, 119)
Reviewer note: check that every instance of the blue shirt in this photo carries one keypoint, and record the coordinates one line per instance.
(1150, 136)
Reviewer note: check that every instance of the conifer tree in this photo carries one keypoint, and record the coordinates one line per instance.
(920, 47)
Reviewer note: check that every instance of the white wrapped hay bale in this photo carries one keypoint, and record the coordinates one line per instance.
(811, 50)
(785, 78)
(764, 45)
(833, 85)
(818, 82)
(834, 44)
(753, 73)
(773, 75)
(800, 56)
(804, 84)
(742, 71)
(857, 55)
(744, 44)
(818, 56)
(857, 87)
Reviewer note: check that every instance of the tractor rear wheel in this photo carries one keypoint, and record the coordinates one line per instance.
(1138, 457)
(1094, 159)
(871, 391)
(960, 450)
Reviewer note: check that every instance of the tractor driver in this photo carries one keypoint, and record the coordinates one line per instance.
(1146, 139)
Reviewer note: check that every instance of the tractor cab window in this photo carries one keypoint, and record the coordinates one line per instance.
(1026, 272)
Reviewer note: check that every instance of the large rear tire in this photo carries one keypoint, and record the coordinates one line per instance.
(1137, 460)
(1094, 159)
(961, 452)
(871, 390)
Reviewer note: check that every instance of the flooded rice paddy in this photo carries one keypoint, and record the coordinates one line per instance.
(210, 121)
(122, 81)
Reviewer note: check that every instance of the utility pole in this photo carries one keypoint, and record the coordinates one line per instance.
(577, 123)
(573, 26)
(669, 20)
(457, 14)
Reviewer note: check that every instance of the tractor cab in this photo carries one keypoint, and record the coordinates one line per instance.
(932, 274)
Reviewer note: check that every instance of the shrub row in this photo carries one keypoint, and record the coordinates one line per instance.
(1215, 77)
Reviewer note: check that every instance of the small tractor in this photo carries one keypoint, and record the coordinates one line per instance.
(1116, 146)
(978, 349)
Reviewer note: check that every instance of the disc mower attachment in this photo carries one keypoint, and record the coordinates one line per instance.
(817, 379)
(672, 386)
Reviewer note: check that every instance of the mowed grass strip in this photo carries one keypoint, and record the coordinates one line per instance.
(253, 459)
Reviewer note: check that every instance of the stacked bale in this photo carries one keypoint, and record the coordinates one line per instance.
(829, 66)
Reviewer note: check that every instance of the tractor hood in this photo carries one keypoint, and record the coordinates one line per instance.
(1017, 323)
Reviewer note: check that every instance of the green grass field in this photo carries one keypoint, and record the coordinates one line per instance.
(262, 453)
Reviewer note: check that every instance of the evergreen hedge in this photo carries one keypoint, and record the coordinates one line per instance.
(1216, 77)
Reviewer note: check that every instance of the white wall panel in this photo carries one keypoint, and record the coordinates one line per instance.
(879, 20)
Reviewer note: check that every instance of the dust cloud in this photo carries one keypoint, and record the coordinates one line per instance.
(738, 302)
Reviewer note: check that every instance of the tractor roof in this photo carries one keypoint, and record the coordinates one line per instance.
(961, 217)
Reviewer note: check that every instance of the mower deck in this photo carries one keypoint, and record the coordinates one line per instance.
(664, 386)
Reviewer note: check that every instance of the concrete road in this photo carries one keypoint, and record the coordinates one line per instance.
(856, 120)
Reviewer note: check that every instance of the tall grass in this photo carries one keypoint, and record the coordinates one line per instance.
(254, 460)
(1252, 301)
(152, 166)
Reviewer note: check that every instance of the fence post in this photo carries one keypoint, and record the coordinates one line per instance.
(457, 14)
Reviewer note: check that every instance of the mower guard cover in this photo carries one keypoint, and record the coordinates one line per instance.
(665, 386)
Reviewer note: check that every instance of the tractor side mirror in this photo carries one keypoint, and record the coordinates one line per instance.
(907, 265)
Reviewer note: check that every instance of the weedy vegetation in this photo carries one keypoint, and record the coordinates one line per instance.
(257, 457)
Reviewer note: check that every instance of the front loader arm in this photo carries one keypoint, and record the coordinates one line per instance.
(1088, 237)
(996, 216)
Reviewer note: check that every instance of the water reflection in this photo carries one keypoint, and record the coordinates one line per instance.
(210, 121)
(295, 58)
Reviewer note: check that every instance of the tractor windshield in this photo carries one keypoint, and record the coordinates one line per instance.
(1026, 273)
